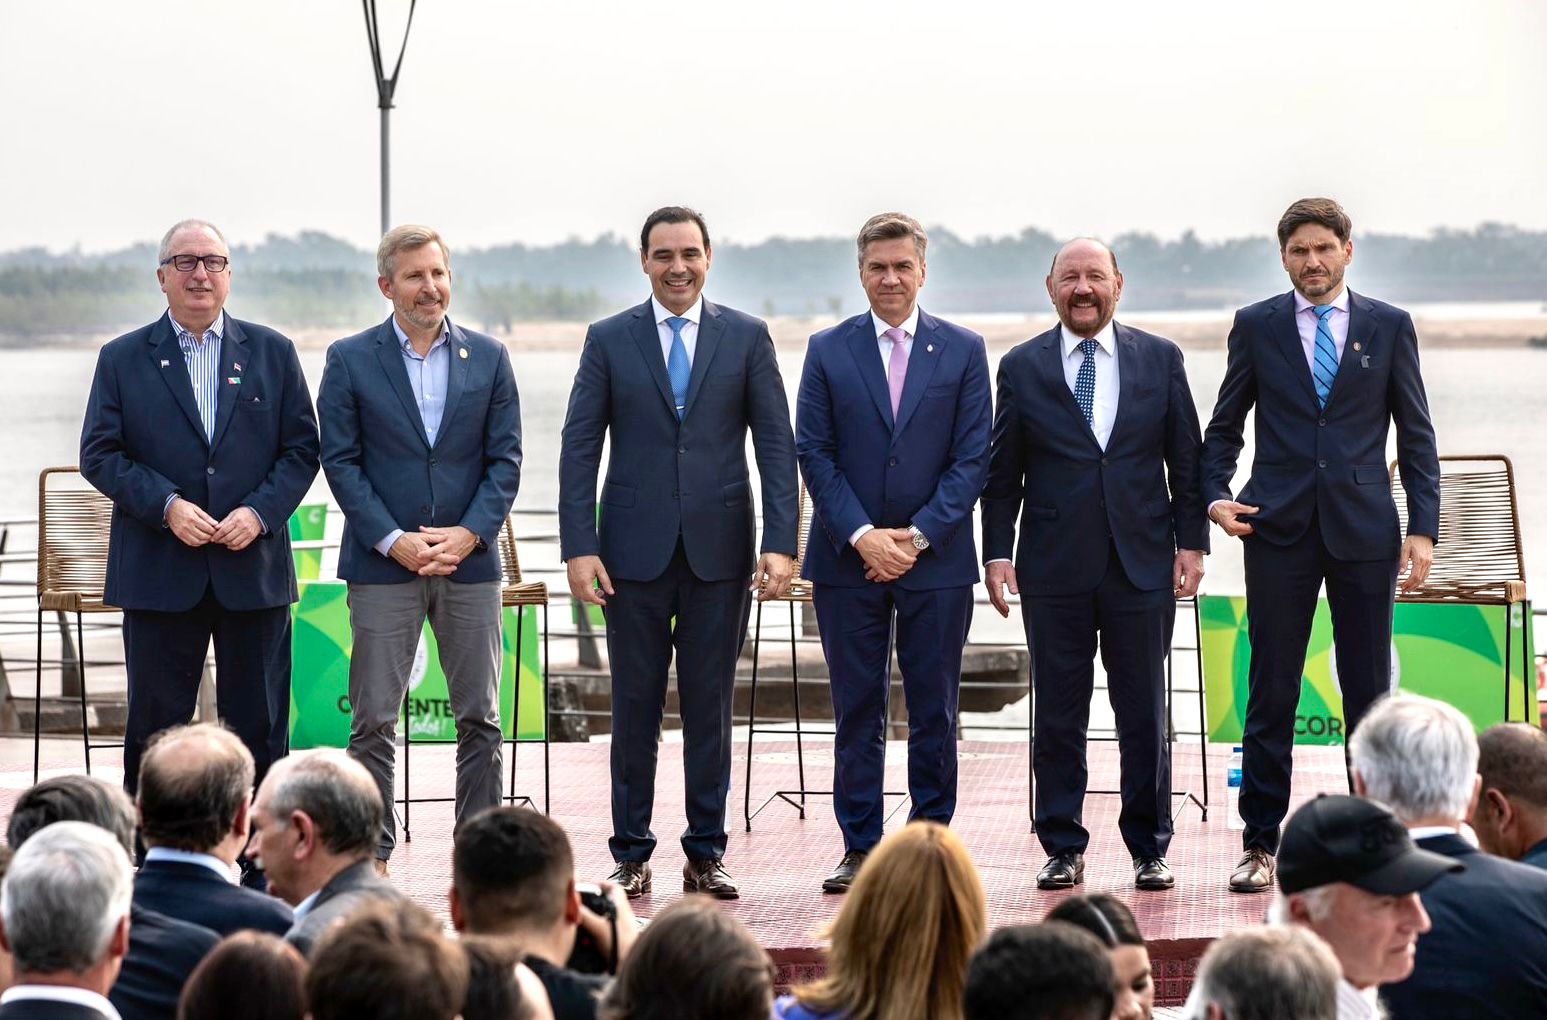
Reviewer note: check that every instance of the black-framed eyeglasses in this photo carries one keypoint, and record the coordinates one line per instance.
(187, 263)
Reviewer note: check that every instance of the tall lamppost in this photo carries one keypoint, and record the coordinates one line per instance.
(385, 86)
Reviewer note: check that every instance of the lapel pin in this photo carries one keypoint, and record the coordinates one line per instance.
(236, 366)
(233, 380)
(462, 353)
(1357, 347)
(929, 349)
(165, 363)
(1364, 362)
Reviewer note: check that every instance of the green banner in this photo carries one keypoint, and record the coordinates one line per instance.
(308, 524)
(321, 642)
(1451, 652)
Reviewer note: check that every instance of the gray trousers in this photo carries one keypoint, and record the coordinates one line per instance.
(387, 620)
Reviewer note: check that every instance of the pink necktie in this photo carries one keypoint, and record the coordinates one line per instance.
(897, 369)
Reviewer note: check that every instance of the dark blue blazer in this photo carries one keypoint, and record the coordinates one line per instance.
(925, 468)
(385, 474)
(142, 440)
(162, 953)
(1072, 498)
(1486, 956)
(667, 477)
(1329, 462)
(193, 893)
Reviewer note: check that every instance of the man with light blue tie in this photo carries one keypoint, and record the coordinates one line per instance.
(1328, 372)
(421, 445)
(675, 384)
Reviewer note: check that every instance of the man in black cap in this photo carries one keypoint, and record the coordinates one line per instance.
(1348, 870)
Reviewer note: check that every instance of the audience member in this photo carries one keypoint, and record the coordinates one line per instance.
(387, 961)
(1267, 973)
(1348, 871)
(499, 985)
(250, 976)
(64, 917)
(1109, 919)
(163, 951)
(513, 874)
(692, 963)
(1511, 814)
(1487, 952)
(315, 825)
(903, 938)
(195, 801)
(5, 954)
(1050, 971)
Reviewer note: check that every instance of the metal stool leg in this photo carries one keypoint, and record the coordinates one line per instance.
(515, 707)
(746, 787)
(408, 740)
(80, 666)
(1203, 714)
(37, 705)
(547, 720)
(800, 752)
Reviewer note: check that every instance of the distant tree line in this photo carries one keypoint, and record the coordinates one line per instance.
(317, 280)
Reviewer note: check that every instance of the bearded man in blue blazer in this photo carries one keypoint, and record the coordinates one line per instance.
(892, 429)
(1328, 372)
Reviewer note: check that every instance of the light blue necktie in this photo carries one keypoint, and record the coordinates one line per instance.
(1326, 357)
(677, 365)
(1085, 382)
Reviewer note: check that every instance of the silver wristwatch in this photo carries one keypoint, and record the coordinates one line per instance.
(919, 541)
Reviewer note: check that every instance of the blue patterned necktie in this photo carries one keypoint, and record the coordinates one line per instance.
(677, 365)
(1326, 357)
(1085, 382)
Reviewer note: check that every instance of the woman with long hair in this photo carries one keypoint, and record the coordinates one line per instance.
(903, 939)
(1110, 920)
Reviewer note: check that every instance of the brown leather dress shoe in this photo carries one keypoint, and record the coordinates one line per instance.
(840, 880)
(1254, 872)
(707, 875)
(633, 877)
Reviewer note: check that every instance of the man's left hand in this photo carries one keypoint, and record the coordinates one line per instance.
(238, 530)
(452, 546)
(773, 575)
(1186, 573)
(1417, 558)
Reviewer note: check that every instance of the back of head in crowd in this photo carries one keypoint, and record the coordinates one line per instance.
(195, 789)
(1511, 814)
(1268, 973)
(692, 963)
(249, 976)
(499, 985)
(512, 870)
(388, 961)
(906, 931)
(1048, 971)
(65, 907)
(1109, 919)
(73, 798)
(316, 813)
(1417, 756)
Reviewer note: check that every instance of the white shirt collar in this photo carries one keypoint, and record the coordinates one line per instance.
(61, 993)
(1427, 831)
(1357, 1003)
(210, 861)
(218, 327)
(693, 314)
(1340, 302)
(910, 325)
(305, 906)
(1107, 338)
(402, 337)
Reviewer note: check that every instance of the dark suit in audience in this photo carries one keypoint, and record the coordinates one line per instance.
(194, 893)
(345, 892)
(28, 1008)
(163, 951)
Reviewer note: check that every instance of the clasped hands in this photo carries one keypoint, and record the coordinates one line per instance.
(193, 527)
(433, 552)
(888, 553)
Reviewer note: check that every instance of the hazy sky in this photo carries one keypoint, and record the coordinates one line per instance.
(539, 121)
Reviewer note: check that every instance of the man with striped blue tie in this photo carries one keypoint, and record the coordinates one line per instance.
(199, 428)
(1329, 373)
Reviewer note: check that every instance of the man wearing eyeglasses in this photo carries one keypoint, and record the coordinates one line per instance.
(199, 428)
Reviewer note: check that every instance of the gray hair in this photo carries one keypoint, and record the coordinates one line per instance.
(68, 888)
(335, 792)
(1318, 903)
(889, 226)
(1268, 974)
(1417, 755)
(405, 238)
(165, 250)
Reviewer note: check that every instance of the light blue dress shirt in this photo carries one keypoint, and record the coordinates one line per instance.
(428, 378)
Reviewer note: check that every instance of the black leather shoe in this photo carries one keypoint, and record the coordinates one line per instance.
(840, 880)
(1152, 874)
(1062, 871)
(707, 875)
(1254, 872)
(633, 877)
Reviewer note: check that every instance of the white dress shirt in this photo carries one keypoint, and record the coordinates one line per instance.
(1104, 407)
(60, 993)
(210, 861)
(1358, 1003)
(910, 327)
(1337, 325)
(689, 328)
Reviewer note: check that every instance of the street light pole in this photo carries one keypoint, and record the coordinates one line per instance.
(385, 86)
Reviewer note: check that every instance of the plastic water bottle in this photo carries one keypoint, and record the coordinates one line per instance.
(1233, 790)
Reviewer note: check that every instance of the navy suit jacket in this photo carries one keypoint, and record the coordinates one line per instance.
(163, 951)
(666, 477)
(382, 469)
(193, 893)
(1074, 499)
(1330, 462)
(925, 468)
(1486, 956)
(142, 440)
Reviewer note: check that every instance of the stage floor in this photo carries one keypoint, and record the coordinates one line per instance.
(780, 863)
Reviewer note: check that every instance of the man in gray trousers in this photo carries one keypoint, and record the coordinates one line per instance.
(421, 445)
